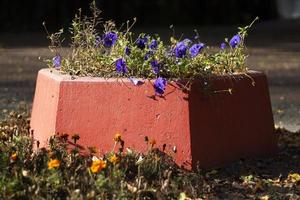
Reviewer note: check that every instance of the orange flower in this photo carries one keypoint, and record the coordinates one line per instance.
(53, 163)
(152, 142)
(117, 137)
(13, 157)
(97, 166)
(114, 159)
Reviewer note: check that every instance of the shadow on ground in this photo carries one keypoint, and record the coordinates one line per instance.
(275, 177)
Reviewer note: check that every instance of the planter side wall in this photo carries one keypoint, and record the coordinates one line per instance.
(97, 110)
(44, 110)
(231, 126)
(212, 128)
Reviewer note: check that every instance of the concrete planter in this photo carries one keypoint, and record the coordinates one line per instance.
(210, 127)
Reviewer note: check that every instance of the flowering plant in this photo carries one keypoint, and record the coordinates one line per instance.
(117, 53)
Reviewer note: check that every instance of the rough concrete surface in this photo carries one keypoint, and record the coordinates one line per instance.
(99, 108)
(274, 47)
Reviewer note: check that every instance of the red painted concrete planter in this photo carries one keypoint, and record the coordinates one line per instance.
(212, 127)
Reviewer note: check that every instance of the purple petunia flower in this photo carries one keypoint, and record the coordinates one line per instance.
(155, 66)
(160, 85)
(127, 51)
(153, 44)
(195, 49)
(57, 61)
(141, 42)
(148, 54)
(98, 41)
(180, 49)
(121, 66)
(235, 41)
(187, 41)
(223, 45)
(109, 39)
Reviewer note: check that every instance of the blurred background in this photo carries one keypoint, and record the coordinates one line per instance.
(273, 43)
(28, 15)
(155, 16)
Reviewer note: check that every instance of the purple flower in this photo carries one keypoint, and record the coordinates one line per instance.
(160, 85)
(195, 49)
(121, 66)
(141, 42)
(155, 66)
(153, 44)
(127, 51)
(109, 39)
(57, 61)
(180, 49)
(97, 41)
(147, 55)
(187, 41)
(235, 41)
(223, 45)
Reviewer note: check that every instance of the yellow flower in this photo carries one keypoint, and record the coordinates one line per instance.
(114, 159)
(117, 137)
(97, 166)
(13, 157)
(265, 197)
(53, 163)
(294, 178)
